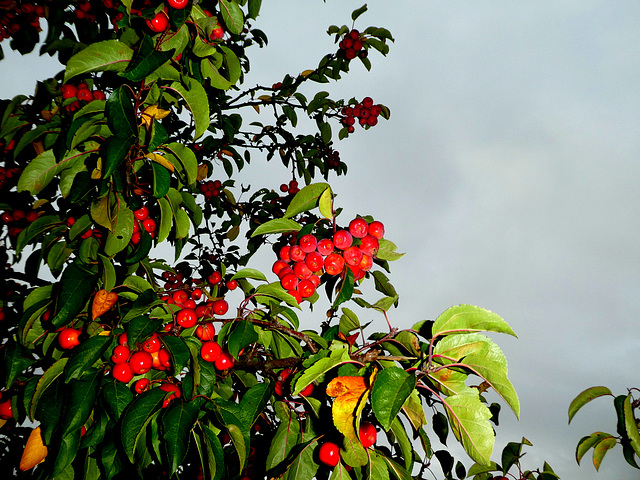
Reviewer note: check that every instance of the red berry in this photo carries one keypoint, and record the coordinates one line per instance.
(196, 294)
(307, 391)
(68, 91)
(232, 284)
(329, 454)
(306, 288)
(367, 102)
(120, 354)
(224, 361)
(301, 270)
(352, 256)
(284, 253)
(68, 338)
(358, 227)
(85, 95)
(368, 434)
(180, 296)
(142, 213)
(205, 331)
(278, 266)
(334, 264)
(325, 246)
(6, 410)
(152, 344)
(178, 4)
(159, 23)
(141, 385)
(149, 225)
(220, 306)
(289, 281)
(295, 294)
(99, 95)
(376, 229)
(366, 263)
(122, 372)
(140, 362)
(314, 261)
(369, 245)
(215, 278)
(342, 239)
(296, 253)
(210, 351)
(187, 317)
(308, 243)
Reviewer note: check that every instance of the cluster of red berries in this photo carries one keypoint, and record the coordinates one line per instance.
(143, 220)
(150, 354)
(17, 220)
(22, 16)
(291, 188)
(6, 174)
(81, 93)
(366, 112)
(210, 188)
(300, 265)
(352, 45)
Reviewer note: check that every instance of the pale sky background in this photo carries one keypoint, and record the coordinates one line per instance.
(508, 174)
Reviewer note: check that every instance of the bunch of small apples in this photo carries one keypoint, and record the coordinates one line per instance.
(301, 265)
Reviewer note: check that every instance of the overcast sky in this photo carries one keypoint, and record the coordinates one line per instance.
(508, 173)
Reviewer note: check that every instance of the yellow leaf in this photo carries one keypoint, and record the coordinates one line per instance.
(228, 153)
(203, 172)
(34, 452)
(152, 112)
(256, 108)
(306, 73)
(351, 394)
(97, 172)
(265, 98)
(102, 302)
(156, 157)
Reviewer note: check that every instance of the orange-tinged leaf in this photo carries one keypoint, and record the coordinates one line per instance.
(34, 452)
(203, 172)
(350, 392)
(306, 73)
(102, 302)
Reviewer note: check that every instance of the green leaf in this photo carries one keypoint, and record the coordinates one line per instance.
(197, 102)
(121, 227)
(210, 71)
(177, 423)
(254, 8)
(182, 224)
(387, 251)
(254, 401)
(116, 150)
(121, 114)
(600, 450)
(35, 229)
(306, 199)
(16, 359)
(117, 396)
(390, 390)
(186, 157)
(356, 13)
(277, 225)
(143, 65)
(77, 287)
(313, 372)
(215, 454)
(136, 417)
(140, 329)
(179, 352)
(48, 377)
(397, 470)
(467, 319)
(325, 204)
(585, 397)
(586, 443)
(232, 16)
(82, 396)
(631, 425)
(233, 64)
(483, 357)
(85, 355)
(109, 55)
(42, 170)
(286, 437)
(166, 219)
(249, 273)
(402, 439)
(242, 335)
(161, 180)
(469, 419)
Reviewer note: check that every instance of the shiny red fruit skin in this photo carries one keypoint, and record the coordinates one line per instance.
(178, 4)
(122, 372)
(368, 434)
(220, 306)
(140, 362)
(358, 227)
(329, 454)
(205, 332)
(224, 361)
(141, 385)
(376, 229)
(210, 351)
(308, 243)
(120, 354)
(334, 264)
(6, 410)
(307, 391)
(159, 23)
(342, 239)
(187, 318)
(153, 344)
(68, 338)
